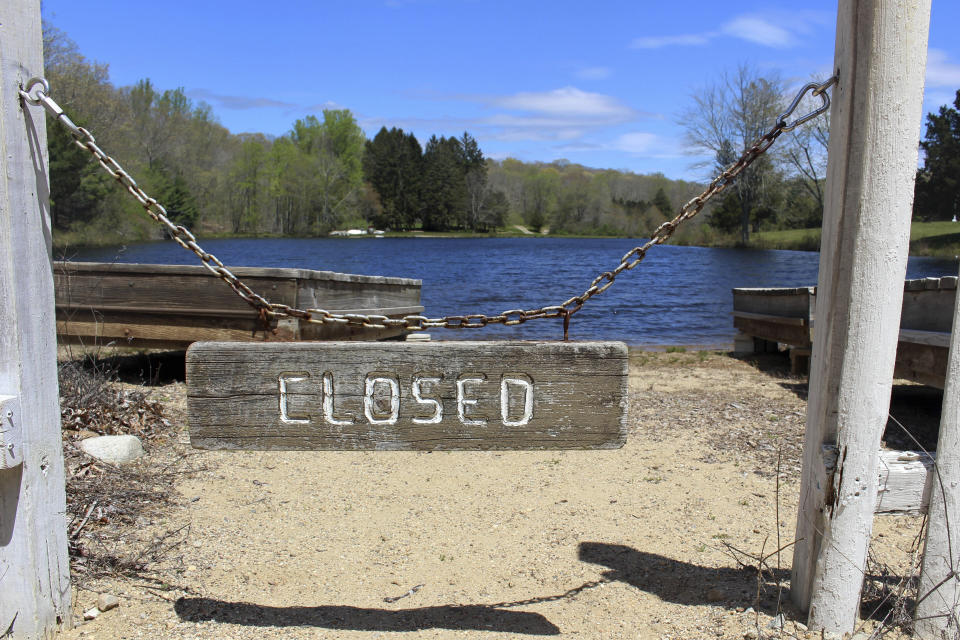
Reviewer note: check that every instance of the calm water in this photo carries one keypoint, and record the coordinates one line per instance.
(677, 296)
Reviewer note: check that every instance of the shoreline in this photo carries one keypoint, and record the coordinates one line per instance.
(933, 240)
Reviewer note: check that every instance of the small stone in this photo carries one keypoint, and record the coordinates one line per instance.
(749, 610)
(107, 601)
(715, 595)
(801, 626)
(832, 635)
(113, 449)
(776, 623)
(751, 634)
(91, 614)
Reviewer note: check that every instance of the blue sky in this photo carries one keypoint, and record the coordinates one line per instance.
(603, 83)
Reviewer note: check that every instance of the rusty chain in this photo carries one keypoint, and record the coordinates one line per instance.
(37, 93)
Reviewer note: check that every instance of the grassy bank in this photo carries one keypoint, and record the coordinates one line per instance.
(938, 239)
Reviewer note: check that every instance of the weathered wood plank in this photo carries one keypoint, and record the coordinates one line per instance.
(904, 482)
(770, 317)
(35, 589)
(180, 288)
(793, 301)
(788, 333)
(928, 309)
(429, 396)
(921, 362)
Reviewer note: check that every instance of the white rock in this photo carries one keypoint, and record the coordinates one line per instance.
(90, 614)
(113, 449)
(776, 623)
(107, 601)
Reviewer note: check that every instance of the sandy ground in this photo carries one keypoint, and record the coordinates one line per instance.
(631, 543)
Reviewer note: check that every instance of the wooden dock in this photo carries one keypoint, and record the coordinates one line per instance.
(787, 316)
(170, 307)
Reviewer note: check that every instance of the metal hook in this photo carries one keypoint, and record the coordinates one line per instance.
(816, 89)
(45, 89)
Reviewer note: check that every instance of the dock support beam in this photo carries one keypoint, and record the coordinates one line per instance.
(880, 59)
(34, 566)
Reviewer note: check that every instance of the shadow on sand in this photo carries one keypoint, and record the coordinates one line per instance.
(668, 579)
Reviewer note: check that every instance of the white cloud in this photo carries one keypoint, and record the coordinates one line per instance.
(594, 73)
(770, 30)
(320, 106)
(567, 102)
(536, 134)
(941, 71)
(637, 142)
(566, 115)
(238, 102)
(753, 28)
(656, 42)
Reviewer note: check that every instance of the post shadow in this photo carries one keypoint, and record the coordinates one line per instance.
(348, 618)
(677, 581)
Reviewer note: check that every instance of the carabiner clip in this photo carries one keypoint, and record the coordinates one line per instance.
(815, 89)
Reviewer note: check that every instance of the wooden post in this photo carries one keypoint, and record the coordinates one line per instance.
(880, 59)
(34, 567)
(939, 592)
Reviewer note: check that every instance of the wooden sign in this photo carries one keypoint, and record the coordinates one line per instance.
(403, 396)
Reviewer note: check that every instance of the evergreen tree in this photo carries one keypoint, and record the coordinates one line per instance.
(475, 179)
(393, 166)
(444, 186)
(937, 193)
(662, 202)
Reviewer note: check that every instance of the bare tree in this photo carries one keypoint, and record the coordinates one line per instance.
(806, 154)
(725, 119)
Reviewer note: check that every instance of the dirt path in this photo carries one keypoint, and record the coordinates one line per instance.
(602, 544)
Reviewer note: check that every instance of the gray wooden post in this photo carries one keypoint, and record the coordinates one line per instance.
(939, 592)
(34, 567)
(880, 57)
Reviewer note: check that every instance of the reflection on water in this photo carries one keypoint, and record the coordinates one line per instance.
(678, 295)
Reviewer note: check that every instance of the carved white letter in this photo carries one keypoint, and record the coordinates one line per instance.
(527, 387)
(285, 416)
(368, 401)
(437, 407)
(328, 402)
(463, 403)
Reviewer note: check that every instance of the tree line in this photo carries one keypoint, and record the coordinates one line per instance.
(322, 175)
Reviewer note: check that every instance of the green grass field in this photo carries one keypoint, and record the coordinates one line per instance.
(940, 239)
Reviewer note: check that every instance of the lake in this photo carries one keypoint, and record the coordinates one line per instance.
(677, 296)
